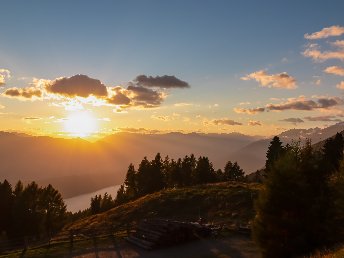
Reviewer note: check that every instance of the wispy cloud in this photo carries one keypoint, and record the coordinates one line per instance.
(254, 123)
(280, 80)
(293, 120)
(340, 85)
(338, 43)
(32, 118)
(322, 118)
(4, 75)
(300, 103)
(313, 51)
(165, 81)
(326, 32)
(225, 121)
(183, 104)
(249, 111)
(337, 70)
(306, 104)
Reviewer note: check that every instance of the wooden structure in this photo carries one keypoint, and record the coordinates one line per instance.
(155, 233)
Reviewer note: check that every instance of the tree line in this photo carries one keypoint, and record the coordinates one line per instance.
(157, 174)
(30, 211)
(301, 205)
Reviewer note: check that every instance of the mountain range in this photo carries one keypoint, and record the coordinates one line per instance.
(76, 166)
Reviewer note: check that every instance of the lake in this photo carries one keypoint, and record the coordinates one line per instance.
(81, 202)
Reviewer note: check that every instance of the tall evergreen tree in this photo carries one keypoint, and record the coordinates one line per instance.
(204, 172)
(275, 151)
(333, 152)
(6, 204)
(54, 209)
(130, 183)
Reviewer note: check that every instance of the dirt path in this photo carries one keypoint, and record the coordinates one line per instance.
(230, 247)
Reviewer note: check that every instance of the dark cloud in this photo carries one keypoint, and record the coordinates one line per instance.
(165, 81)
(23, 93)
(144, 97)
(225, 121)
(323, 119)
(249, 111)
(306, 104)
(77, 85)
(120, 97)
(293, 120)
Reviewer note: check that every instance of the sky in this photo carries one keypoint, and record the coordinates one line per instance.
(93, 68)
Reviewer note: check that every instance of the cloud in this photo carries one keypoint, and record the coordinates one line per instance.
(293, 120)
(322, 119)
(338, 43)
(326, 32)
(144, 97)
(250, 111)
(24, 93)
(183, 104)
(77, 85)
(4, 74)
(254, 123)
(32, 118)
(340, 85)
(313, 51)
(120, 96)
(304, 104)
(165, 81)
(137, 130)
(225, 121)
(280, 80)
(335, 70)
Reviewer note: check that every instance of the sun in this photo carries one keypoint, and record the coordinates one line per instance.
(80, 124)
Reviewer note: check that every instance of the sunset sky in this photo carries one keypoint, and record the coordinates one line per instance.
(92, 68)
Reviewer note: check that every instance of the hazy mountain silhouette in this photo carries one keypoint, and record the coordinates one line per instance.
(76, 166)
(252, 156)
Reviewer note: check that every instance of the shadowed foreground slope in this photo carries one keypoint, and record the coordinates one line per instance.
(219, 203)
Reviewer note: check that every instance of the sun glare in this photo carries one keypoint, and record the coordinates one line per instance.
(80, 124)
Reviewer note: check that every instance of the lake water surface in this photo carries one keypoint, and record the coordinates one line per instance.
(81, 202)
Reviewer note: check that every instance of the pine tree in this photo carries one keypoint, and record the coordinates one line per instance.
(233, 172)
(275, 151)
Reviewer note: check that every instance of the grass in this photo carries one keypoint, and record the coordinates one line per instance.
(337, 253)
(221, 203)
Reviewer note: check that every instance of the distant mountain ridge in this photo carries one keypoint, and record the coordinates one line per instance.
(76, 166)
(255, 152)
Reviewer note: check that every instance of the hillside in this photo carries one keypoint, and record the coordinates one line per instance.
(219, 203)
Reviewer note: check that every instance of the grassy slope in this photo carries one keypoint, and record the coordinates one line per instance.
(218, 203)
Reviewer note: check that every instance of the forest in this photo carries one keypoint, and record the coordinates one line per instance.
(300, 207)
